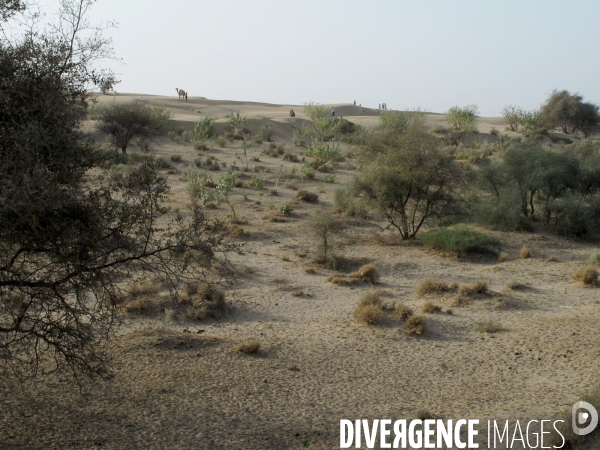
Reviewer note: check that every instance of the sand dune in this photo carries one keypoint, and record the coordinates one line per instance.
(178, 388)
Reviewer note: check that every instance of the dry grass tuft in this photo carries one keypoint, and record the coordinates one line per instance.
(368, 273)
(552, 258)
(143, 288)
(503, 257)
(488, 326)
(513, 284)
(208, 301)
(310, 270)
(402, 312)
(298, 294)
(427, 286)
(139, 305)
(587, 275)
(292, 157)
(342, 280)
(248, 348)
(369, 309)
(307, 196)
(479, 287)
(430, 308)
(416, 325)
(525, 252)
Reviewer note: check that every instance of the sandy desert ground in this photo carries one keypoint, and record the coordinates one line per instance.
(178, 385)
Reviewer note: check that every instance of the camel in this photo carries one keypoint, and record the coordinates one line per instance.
(292, 113)
(182, 94)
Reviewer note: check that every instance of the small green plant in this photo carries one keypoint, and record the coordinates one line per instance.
(461, 240)
(595, 258)
(256, 183)
(286, 209)
(245, 145)
(203, 131)
(162, 163)
(176, 158)
(307, 171)
(329, 178)
(221, 141)
(273, 192)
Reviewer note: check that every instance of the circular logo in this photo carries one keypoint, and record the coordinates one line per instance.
(579, 418)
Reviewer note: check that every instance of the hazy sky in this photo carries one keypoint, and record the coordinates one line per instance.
(419, 53)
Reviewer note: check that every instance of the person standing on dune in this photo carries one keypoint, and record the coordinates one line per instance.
(332, 112)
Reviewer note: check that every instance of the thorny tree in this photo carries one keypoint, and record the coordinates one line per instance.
(405, 175)
(68, 241)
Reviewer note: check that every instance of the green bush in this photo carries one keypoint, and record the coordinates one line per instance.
(395, 121)
(461, 240)
(256, 183)
(266, 133)
(349, 205)
(514, 116)
(237, 123)
(463, 119)
(203, 130)
(286, 209)
(323, 153)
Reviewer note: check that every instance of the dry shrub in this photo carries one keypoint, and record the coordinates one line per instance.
(416, 325)
(342, 280)
(307, 196)
(208, 301)
(513, 284)
(479, 287)
(587, 275)
(248, 348)
(430, 308)
(281, 148)
(277, 219)
(292, 157)
(552, 258)
(488, 326)
(430, 286)
(461, 301)
(139, 306)
(235, 230)
(310, 270)
(402, 312)
(143, 288)
(298, 294)
(369, 273)
(449, 311)
(369, 309)
(525, 252)
(503, 257)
